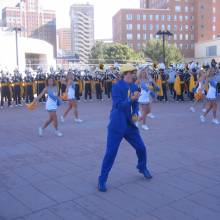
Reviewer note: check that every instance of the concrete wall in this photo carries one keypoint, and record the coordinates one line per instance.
(25, 46)
(200, 51)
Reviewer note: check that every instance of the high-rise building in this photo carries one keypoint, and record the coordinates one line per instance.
(82, 30)
(34, 21)
(64, 41)
(190, 21)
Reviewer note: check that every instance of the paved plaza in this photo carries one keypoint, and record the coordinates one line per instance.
(52, 178)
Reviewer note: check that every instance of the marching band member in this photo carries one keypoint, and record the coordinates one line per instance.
(123, 117)
(40, 83)
(98, 85)
(72, 104)
(51, 105)
(6, 90)
(17, 83)
(28, 87)
(87, 85)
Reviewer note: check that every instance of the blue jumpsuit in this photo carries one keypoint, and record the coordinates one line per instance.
(121, 126)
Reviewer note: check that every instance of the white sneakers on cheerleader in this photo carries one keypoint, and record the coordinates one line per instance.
(62, 119)
(58, 134)
(202, 118)
(78, 120)
(151, 115)
(40, 131)
(215, 121)
(192, 109)
(203, 110)
(145, 127)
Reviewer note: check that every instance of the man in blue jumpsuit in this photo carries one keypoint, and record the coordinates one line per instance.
(123, 116)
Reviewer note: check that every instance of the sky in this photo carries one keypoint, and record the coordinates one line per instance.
(104, 11)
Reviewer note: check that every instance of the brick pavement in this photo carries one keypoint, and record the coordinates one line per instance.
(53, 178)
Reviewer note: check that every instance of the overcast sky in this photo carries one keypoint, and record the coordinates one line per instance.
(104, 10)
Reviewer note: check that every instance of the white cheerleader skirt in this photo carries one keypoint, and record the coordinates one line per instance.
(144, 98)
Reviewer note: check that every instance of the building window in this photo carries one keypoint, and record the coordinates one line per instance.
(138, 17)
(144, 36)
(169, 27)
(129, 17)
(186, 9)
(177, 8)
(186, 27)
(162, 27)
(138, 27)
(157, 27)
(150, 17)
(214, 28)
(129, 27)
(129, 36)
(156, 17)
(162, 17)
(186, 37)
(144, 17)
(144, 27)
(138, 36)
(150, 27)
(211, 51)
(181, 37)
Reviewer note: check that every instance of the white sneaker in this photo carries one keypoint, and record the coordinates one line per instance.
(192, 109)
(145, 127)
(10, 106)
(20, 105)
(16, 105)
(202, 118)
(78, 120)
(62, 119)
(40, 131)
(151, 116)
(215, 121)
(204, 110)
(58, 134)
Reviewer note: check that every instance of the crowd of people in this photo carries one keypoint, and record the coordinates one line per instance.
(180, 82)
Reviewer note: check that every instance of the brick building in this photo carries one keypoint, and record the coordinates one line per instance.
(190, 21)
(35, 22)
(64, 41)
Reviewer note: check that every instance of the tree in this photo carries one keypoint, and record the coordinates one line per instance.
(154, 50)
(113, 52)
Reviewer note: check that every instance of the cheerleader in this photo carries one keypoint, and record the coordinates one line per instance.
(51, 105)
(199, 90)
(72, 104)
(144, 82)
(211, 99)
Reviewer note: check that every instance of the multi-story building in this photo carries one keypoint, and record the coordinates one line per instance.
(64, 41)
(82, 30)
(34, 21)
(190, 21)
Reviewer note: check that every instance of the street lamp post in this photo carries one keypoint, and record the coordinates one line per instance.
(16, 29)
(163, 34)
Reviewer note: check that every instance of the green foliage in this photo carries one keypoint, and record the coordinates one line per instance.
(154, 50)
(112, 52)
